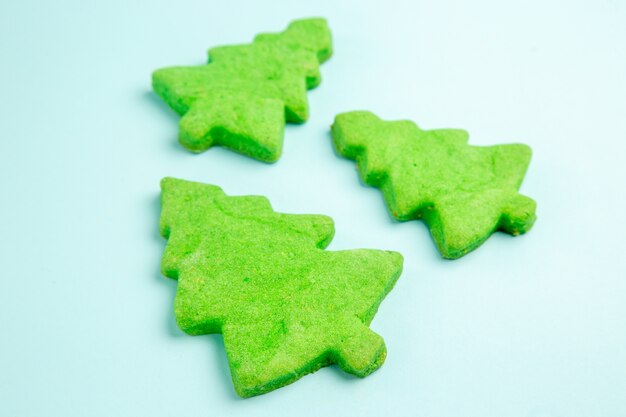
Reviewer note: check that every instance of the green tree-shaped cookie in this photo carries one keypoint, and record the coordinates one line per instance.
(243, 96)
(464, 193)
(285, 306)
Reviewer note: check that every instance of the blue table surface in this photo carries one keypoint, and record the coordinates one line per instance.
(532, 326)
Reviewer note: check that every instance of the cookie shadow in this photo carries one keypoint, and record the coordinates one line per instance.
(161, 107)
(156, 103)
(169, 319)
(216, 342)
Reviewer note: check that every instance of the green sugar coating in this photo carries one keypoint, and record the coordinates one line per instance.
(464, 193)
(285, 306)
(243, 96)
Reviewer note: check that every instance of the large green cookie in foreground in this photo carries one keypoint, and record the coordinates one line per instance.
(464, 193)
(243, 96)
(285, 306)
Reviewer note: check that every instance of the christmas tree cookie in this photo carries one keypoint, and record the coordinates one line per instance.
(242, 98)
(285, 306)
(464, 193)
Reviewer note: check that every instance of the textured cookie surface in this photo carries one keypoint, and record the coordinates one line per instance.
(285, 306)
(242, 98)
(464, 193)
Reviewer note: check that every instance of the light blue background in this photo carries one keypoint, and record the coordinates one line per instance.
(533, 326)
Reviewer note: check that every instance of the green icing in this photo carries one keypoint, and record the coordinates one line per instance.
(243, 96)
(285, 306)
(464, 193)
